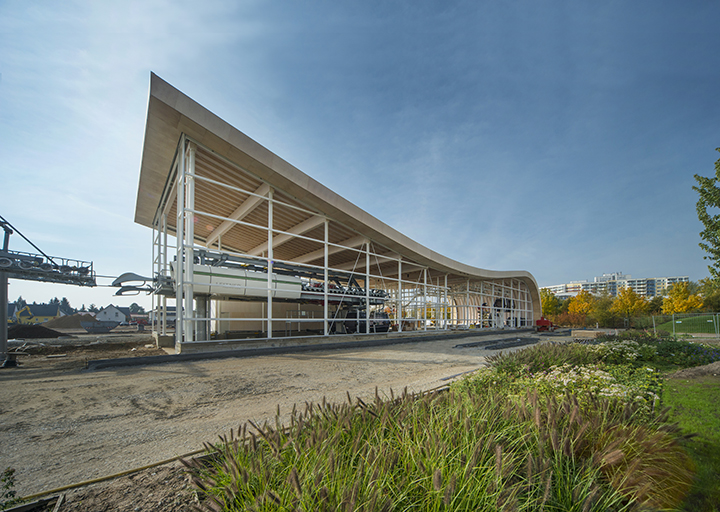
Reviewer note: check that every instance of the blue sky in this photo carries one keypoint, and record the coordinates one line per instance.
(555, 137)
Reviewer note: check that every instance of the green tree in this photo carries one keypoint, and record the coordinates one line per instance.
(564, 304)
(655, 304)
(550, 303)
(603, 313)
(136, 309)
(65, 306)
(710, 198)
(681, 300)
(710, 293)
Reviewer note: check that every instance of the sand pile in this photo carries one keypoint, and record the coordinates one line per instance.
(712, 369)
(21, 331)
(70, 321)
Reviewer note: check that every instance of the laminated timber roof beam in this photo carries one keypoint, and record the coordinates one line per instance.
(298, 229)
(350, 243)
(240, 213)
(378, 259)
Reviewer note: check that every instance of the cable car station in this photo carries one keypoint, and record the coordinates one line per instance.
(249, 247)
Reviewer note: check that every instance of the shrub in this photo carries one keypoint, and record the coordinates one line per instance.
(542, 357)
(624, 351)
(571, 320)
(8, 495)
(686, 353)
(668, 350)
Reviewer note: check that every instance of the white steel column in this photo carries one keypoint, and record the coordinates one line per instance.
(438, 298)
(513, 305)
(325, 283)
(367, 286)
(425, 299)
(180, 246)
(163, 273)
(467, 303)
(399, 301)
(445, 304)
(189, 313)
(216, 314)
(155, 299)
(270, 264)
(154, 325)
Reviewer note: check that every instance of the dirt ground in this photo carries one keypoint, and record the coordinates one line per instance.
(63, 425)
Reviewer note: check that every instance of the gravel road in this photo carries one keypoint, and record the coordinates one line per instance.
(61, 425)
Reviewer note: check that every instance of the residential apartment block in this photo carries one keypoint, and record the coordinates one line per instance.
(612, 283)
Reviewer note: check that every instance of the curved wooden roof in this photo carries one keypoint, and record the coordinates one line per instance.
(225, 154)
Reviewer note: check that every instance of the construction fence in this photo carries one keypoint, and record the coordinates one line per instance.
(685, 324)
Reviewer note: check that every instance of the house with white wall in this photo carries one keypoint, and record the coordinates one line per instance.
(114, 314)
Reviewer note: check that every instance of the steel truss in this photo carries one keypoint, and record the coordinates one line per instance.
(33, 267)
(37, 267)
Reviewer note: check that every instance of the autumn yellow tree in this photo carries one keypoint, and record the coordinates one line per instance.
(582, 303)
(680, 300)
(628, 303)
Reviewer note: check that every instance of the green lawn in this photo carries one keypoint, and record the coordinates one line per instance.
(695, 406)
(690, 325)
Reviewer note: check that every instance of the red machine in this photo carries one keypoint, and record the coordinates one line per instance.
(544, 324)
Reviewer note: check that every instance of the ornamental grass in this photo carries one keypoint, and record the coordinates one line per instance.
(454, 450)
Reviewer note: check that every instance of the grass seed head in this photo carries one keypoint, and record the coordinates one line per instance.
(590, 499)
(567, 447)
(555, 440)
(498, 460)
(612, 458)
(272, 497)
(548, 486)
(437, 480)
(450, 491)
(421, 466)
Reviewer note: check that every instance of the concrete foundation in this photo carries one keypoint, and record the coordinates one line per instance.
(164, 341)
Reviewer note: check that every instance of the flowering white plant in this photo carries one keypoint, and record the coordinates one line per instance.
(583, 380)
(623, 351)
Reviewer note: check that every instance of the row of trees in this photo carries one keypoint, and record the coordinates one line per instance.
(606, 311)
(65, 306)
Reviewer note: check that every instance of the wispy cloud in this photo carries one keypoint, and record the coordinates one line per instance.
(556, 138)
